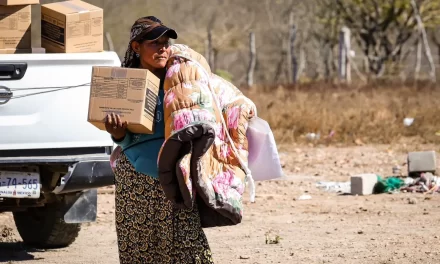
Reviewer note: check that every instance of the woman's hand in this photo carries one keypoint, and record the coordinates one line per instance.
(115, 126)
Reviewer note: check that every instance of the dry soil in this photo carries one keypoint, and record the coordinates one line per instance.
(280, 228)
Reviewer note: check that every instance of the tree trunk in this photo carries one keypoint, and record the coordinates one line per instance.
(326, 57)
(293, 67)
(210, 51)
(344, 49)
(293, 59)
(279, 69)
(418, 58)
(252, 59)
(425, 40)
(302, 63)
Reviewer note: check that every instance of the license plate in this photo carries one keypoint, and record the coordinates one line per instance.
(14, 184)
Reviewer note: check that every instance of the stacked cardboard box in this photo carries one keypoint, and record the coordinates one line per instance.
(76, 26)
(18, 2)
(72, 26)
(66, 27)
(15, 26)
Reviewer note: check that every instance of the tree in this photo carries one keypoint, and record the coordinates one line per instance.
(382, 27)
(326, 32)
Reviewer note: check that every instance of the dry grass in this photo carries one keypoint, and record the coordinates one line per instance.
(367, 114)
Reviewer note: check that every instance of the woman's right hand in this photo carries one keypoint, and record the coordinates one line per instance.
(115, 126)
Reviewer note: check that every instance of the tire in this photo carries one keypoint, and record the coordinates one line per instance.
(44, 227)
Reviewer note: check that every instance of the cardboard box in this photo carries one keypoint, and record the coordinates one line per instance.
(131, 93)
(21, 51)
(71, 27)
(15, 27)
(19, 2)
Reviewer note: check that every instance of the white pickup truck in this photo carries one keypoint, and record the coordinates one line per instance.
(51, 159)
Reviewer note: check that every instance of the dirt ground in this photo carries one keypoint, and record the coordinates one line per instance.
(328, 228)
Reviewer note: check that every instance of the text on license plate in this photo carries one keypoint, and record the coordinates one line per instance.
(14, 184)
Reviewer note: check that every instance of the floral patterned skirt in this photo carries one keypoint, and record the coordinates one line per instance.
(149, 228)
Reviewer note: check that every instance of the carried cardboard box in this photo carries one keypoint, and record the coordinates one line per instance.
(19, 2)
(131, 93)
(21, 51)
(15, 27)
(72, 26)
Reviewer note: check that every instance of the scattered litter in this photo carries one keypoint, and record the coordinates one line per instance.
(313, 136)
(408, 181)
(388, 185)
(408, 121)
(304, 197)
(331, 134)
(397, 171)
(339, 187)
(421, 178)
(272, 239)
(427, 183)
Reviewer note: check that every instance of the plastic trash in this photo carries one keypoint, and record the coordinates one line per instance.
(313, 136)
(397, 170)
(408, 181)
(304, 197)
(343, 187)
(408, 121)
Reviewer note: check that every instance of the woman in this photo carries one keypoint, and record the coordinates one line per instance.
(149, 228)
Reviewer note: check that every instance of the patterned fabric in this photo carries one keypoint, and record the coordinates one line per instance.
(149, 229)
(188, 102)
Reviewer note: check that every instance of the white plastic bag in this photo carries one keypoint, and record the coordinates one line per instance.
(263, 159)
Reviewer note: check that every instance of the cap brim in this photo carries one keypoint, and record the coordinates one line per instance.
(159, 32)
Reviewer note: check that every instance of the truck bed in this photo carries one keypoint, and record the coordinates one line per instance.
(48, 107)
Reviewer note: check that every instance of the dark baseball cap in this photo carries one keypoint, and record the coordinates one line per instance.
(153, 29)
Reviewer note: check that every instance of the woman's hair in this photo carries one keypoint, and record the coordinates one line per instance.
(144, 28)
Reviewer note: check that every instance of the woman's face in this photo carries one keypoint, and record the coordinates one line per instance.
(153, 53)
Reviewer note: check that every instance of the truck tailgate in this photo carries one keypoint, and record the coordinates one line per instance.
(49, 105)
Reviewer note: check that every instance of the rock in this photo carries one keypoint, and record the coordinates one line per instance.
(412, 200)
(423, 161)
(363, 184)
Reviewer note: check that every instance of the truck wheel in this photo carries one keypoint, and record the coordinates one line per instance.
(44, 227)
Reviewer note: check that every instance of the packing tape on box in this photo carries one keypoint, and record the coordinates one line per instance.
(119, 73)
(83, 13)
(72, 5)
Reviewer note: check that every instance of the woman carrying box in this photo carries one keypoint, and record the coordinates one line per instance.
(191, 173)
(149, 228)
